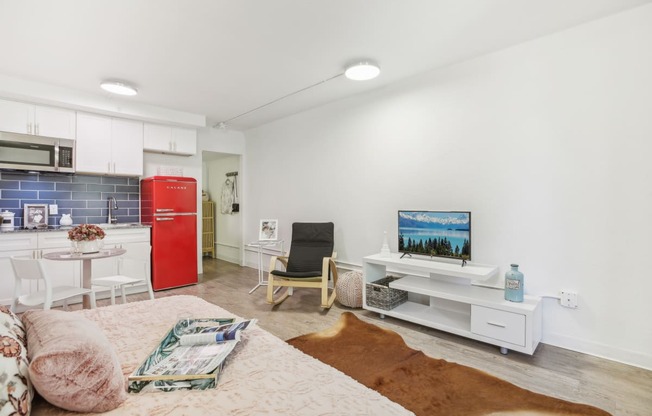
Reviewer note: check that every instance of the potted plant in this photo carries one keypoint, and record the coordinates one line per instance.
(86, 238)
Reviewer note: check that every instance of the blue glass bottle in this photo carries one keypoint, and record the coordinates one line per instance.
(514, 284)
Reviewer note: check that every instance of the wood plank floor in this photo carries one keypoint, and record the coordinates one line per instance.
(617, 388)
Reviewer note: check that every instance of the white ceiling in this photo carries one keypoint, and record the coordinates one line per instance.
(221, 58)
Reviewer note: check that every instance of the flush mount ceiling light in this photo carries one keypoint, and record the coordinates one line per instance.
(362, 71)
(118, 87)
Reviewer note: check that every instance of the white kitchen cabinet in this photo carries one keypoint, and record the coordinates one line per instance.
(15, 117)
(441, 295)
(127, 147)
(54, 122)
(168, 139)
(93, 153)
(108, 145)
(18, 117)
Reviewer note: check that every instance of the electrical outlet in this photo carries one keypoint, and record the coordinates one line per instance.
(54, 209)
(568, 299)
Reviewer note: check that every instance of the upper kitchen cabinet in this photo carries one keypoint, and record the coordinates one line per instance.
(39, 120)
(15, 117)
(170, 140)
(108, 145)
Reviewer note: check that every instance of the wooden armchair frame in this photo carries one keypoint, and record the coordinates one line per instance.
(320, 282)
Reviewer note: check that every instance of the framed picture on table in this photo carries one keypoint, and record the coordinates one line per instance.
(268, 230)
(35, 215)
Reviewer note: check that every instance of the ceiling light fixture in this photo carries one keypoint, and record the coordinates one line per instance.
(362, 71)
(118, 87)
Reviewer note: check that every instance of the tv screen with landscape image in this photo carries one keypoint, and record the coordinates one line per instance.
(435, 233)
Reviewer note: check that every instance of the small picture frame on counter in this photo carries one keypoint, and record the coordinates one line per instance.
(35, 216)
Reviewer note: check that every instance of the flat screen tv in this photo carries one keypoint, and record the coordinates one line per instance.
(435, 233)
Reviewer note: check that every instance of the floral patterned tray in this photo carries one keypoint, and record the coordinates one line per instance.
(140, 382)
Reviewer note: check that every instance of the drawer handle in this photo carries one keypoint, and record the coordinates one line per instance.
(496, 324)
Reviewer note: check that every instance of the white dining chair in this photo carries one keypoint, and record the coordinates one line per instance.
(33, 269)
(137, 268)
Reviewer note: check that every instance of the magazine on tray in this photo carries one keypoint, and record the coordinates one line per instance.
(201, 352)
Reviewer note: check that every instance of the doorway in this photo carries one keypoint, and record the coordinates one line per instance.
(227, 223)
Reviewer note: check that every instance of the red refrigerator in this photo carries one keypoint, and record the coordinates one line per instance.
(169, 205)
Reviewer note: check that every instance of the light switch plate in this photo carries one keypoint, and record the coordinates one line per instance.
(54, 209)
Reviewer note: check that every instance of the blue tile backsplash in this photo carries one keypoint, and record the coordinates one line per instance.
(84, 197)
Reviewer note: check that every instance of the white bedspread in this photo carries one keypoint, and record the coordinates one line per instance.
(263, 376)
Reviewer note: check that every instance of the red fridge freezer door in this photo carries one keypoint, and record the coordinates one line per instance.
(174, 251)
(167, 194)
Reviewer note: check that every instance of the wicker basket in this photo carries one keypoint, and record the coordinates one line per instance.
(380, 295)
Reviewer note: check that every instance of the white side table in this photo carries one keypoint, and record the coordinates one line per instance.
(260, 245)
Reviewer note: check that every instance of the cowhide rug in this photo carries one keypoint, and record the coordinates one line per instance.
(380, 359)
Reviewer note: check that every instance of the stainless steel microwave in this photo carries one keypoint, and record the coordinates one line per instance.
(37, 153)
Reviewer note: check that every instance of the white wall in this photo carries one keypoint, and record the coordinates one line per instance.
(547, 143)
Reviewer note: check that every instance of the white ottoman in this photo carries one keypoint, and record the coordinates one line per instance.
(349, 289)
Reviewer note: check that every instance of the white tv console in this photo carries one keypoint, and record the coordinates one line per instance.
(441, 296)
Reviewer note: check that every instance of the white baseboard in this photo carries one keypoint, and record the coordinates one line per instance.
(607, 352)
(230, 259)
(228, 253)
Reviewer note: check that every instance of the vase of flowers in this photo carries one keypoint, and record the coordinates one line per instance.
(86, 238)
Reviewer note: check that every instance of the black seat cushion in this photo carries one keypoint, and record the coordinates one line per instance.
(311, 242)
(297, 275)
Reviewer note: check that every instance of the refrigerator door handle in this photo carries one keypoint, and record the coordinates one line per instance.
(164, 219)
(164, 209)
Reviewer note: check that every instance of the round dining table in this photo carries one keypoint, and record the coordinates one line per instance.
(86, 259)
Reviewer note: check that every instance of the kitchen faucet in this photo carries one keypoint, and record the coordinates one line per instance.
(112, 206)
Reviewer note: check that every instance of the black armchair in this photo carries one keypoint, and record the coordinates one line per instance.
(310, 262)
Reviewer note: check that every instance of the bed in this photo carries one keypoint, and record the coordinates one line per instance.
(263, 375)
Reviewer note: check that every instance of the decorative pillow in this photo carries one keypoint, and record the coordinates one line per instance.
(73, 365)
(16, 391)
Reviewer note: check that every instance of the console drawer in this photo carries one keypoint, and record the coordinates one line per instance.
(499, 325)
